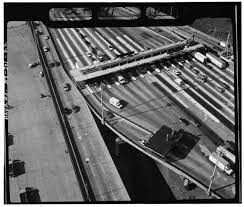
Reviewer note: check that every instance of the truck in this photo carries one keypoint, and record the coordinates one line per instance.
(226, 153)
(179, 81)
(200, 57)
(222, 164)
(215, 60)
(115, 102)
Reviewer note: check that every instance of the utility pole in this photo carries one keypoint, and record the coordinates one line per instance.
(227, 44)
(102, 103)
(214, 31)
(212, 176)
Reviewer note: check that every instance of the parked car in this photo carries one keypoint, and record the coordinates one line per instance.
(41, 74)
(46, 37)
(184, 121)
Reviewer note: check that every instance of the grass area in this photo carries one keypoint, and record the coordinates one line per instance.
(215, 27)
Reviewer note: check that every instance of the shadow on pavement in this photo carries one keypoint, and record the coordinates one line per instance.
(18, 168)
(30, 195)
(10, 139)
(183, 147)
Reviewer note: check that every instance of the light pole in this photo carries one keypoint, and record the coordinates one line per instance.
(212, 176)
(102, 103)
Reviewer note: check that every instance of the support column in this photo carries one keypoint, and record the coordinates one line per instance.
(118, 141)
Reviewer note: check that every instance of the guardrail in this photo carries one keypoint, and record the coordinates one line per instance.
(79, 168)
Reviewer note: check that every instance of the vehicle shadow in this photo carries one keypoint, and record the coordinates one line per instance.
(18, 168)
(123, 103)
(10, 139)
(183, 147)
(30, 195)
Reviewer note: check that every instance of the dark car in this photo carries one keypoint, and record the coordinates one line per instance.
(224, 85)
(67, 110)
(184, 121)
(108, 114)
(75, 108)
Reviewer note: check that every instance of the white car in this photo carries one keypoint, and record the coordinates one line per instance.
(107, 84)
(149, 72)
(132, 77)
(176, 72)
(89, 54)
(115, 81)
(157, 70)
(45, 49)
(122, 80)
(166, 68)
(110, 47)
(46, 37)
(115, 102)
(140, 74)
(41, 74)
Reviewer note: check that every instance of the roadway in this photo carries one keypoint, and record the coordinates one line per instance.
(103, 175)
(37, 140)
(152, 115)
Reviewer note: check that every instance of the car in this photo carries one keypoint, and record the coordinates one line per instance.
(117, 83)
(67, 86)
(157, 70)
(220, 89)
(46, 49)
(132, 76)
(75, 108)
(77, 30)
(108, 114)
(195, 70)
(142, 141)
(89, 54)
(184, 121)
(203, 76)
(203, 80)
(195, 123)
(41, 74)
(166, 68)
(67, 110)
(110, 47)
(32, 65)
(122, 80)
(115, 102)
(224, 85)
(100, 57)
(176, 72)
(139, 73)
(107, 83)
(46, 37)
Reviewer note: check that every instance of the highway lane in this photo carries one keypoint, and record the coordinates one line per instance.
(221, 73)
(215, 76)
(212, 109)
(212, 95)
